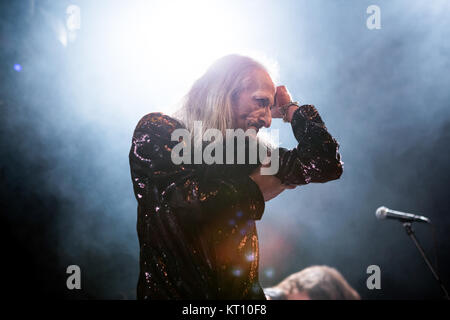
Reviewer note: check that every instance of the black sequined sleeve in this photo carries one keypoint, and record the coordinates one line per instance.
(159, 183)
(316, 157)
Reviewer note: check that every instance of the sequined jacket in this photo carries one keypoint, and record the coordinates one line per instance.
(196, 223)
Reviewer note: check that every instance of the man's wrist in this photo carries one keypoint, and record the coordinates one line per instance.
(288, 109)
(290, 112)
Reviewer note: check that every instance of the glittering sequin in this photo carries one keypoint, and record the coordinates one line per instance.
(196, 223)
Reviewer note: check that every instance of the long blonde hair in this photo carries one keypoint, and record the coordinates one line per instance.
(212, 96)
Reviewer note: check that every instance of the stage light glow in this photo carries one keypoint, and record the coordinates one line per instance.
(173, 42)
(17, 67)
(237, 272)
(250, 257)
(199, 30)
(269, 272)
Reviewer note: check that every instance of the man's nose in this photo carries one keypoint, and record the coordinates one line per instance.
(266, 118)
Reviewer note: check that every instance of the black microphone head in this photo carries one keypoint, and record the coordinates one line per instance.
(381, 212)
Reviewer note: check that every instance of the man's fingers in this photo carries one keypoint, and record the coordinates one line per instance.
(282, 96)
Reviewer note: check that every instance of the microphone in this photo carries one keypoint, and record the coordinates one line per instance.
(386, 213)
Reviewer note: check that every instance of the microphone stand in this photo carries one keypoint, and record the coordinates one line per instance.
(410, 233)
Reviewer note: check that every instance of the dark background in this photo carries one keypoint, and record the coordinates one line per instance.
(68, 115)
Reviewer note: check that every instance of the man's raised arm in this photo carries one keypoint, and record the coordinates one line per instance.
(316, 157)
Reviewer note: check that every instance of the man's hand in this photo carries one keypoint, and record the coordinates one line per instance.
(269, 185)
(283, 97)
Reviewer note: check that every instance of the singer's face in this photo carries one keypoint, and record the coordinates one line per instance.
(252, 107)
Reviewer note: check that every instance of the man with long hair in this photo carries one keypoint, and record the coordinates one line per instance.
(196, 222)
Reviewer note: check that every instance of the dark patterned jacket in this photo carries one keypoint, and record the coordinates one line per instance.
(196, 223)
